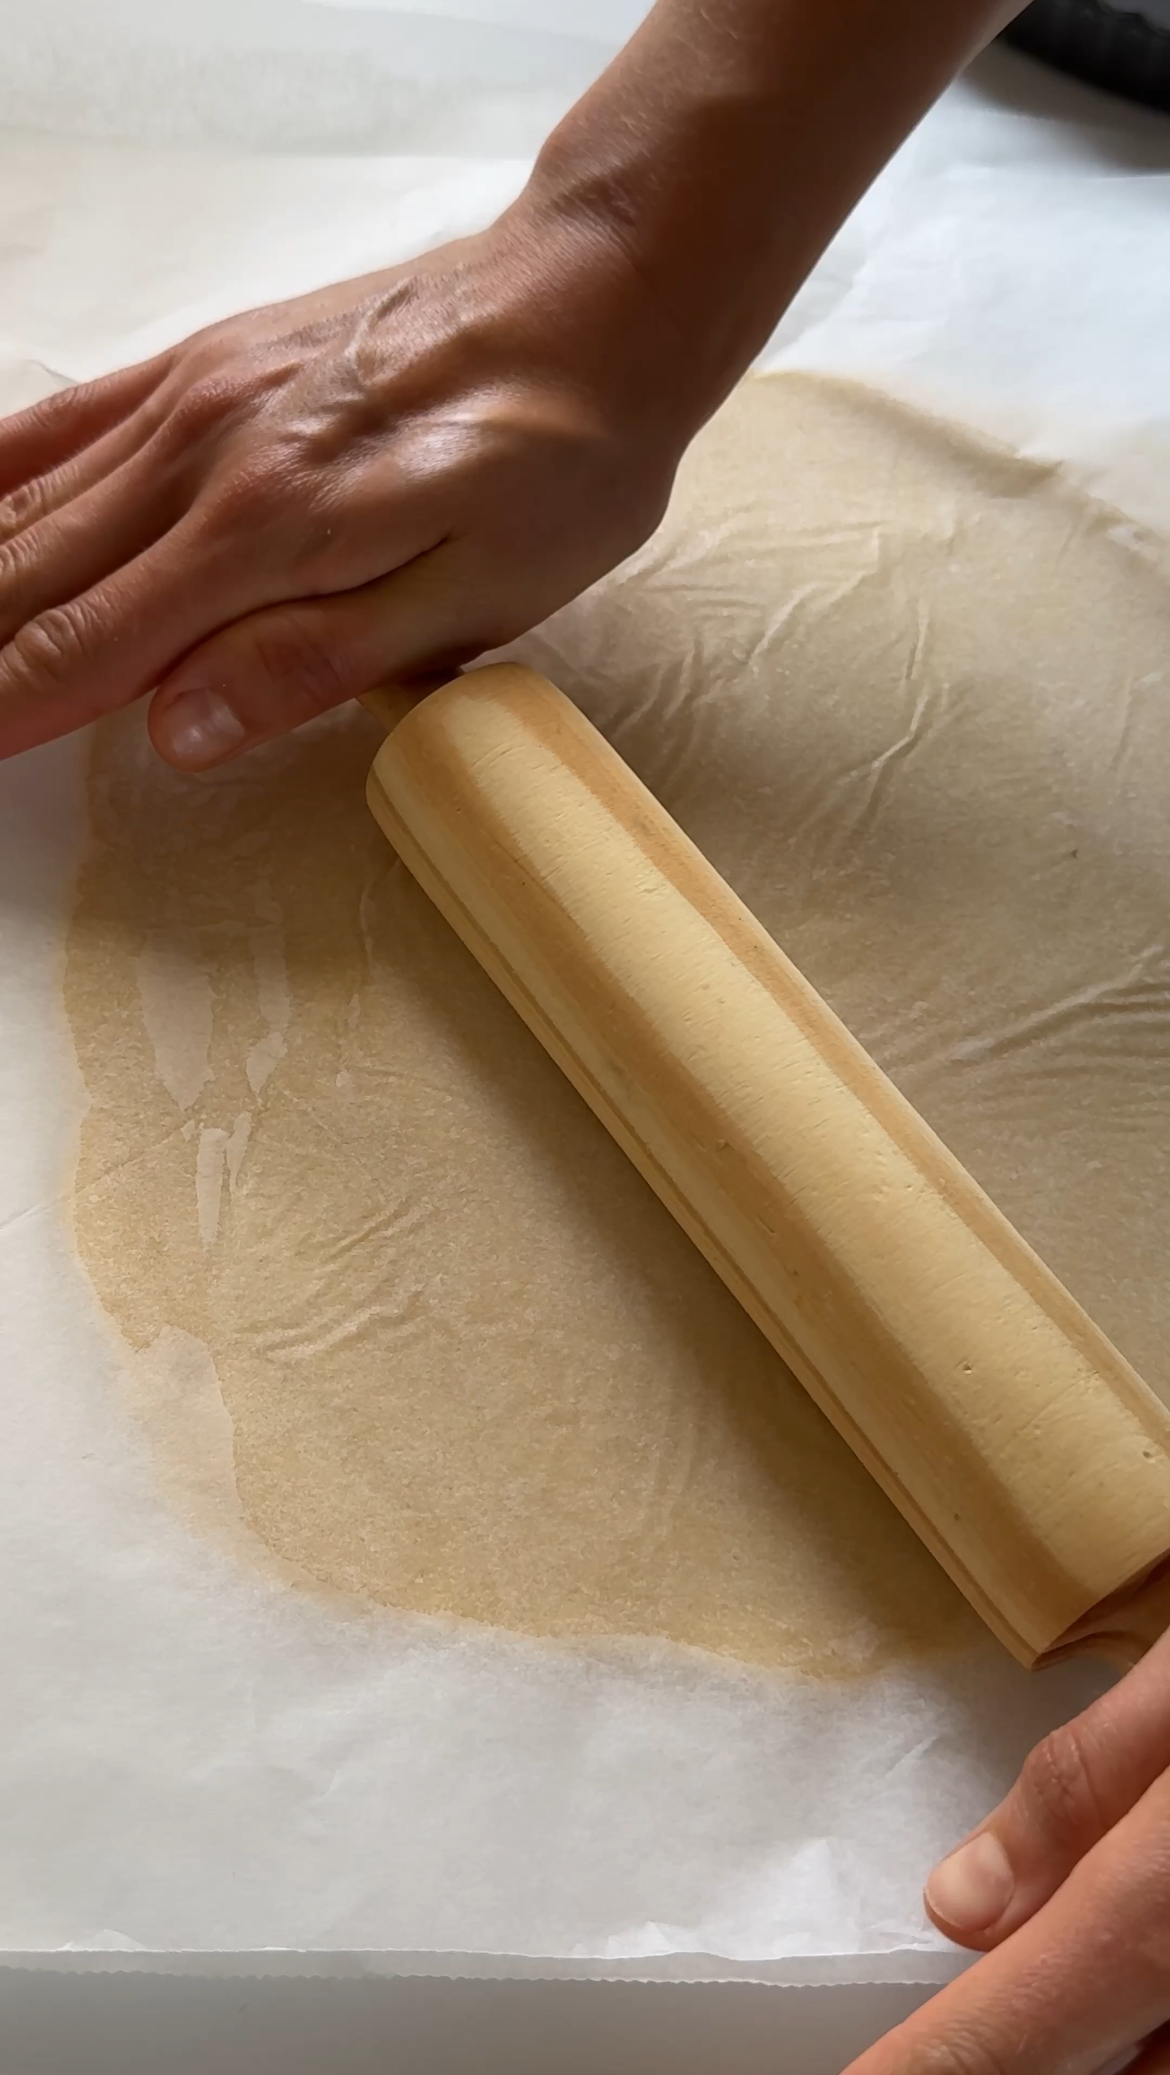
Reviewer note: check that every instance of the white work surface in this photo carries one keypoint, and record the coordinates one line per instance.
(1010, 271)
(66, 2026)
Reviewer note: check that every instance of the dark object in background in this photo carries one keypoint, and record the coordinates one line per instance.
(1113, 47)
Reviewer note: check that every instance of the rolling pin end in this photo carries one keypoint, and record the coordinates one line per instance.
(1123, 1628)
(390, 703)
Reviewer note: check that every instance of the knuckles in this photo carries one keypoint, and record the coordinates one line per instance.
(211, 396)
(1059, 1792)
(296, 663)
(270, 505)
(201, 408)
(23, 507)
(256, 490)
(962, 2051)
(50, 650)
(17, 558)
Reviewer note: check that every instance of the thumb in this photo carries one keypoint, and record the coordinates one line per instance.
(1074, 1787)
(274, 669)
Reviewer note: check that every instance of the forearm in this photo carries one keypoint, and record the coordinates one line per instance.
(725, 146)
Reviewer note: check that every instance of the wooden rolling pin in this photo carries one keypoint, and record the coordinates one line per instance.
(1019, 1444)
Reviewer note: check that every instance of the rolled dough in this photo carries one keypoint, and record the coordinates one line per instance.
(393, 1308)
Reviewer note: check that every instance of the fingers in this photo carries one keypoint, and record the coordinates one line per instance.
(1074, 1787)
(111, 643)
(38, 440)
(281, 667)
(34, 502)
(100, 600)
(1083, 1980)
(71, 550)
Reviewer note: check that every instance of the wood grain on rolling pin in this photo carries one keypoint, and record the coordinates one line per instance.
(1022, 1447)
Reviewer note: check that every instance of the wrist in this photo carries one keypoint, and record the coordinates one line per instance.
(718, 155)
(595, 321)
(619, 196)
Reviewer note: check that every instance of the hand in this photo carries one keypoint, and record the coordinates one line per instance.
(389, 477)
(1067, 1889)
(373, 481)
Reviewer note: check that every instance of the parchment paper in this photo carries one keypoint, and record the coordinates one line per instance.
(198, 1757)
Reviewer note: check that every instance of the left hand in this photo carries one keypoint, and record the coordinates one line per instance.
(1066, 1888)
(380, 479)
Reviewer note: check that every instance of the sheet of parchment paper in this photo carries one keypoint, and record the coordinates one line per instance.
(214, 1743)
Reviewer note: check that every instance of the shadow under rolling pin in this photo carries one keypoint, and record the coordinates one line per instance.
(1020, 1445)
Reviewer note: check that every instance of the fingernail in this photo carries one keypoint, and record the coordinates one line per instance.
(972, 1889)
(201, 729)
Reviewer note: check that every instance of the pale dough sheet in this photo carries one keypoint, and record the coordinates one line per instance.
(908, 694)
